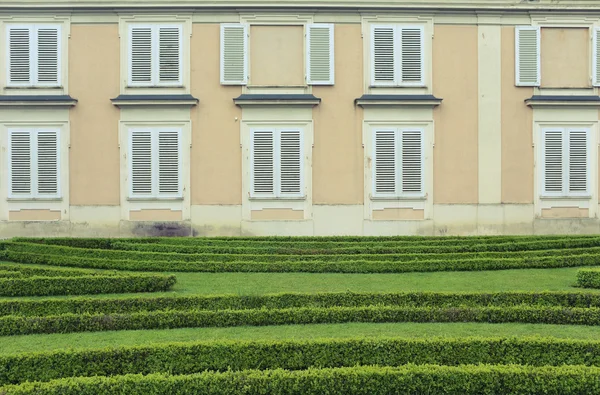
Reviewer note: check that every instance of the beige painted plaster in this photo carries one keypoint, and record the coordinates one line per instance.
(277, 55)
(216, 169)
(34, 215)
(517, 124)
(155, 215)
(565, 57)
(93, 80)
(275, 214)
(455, 66)
(565, 212)
(398, 214)
(338, 153)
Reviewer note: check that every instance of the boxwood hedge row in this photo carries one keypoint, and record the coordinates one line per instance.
(23, 325)
(588, 278)
(188, 358)
(371, 380)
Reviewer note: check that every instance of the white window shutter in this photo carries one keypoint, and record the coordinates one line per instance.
(596, 57)
(412, 162)
(169, 163)
(169, 55)
(140, 163)
(527, 45)
(20, 164)
(290, 162)
(263, 163)
(19, 55)
(553, 161)
(234, 54)
(411, 41)
(47, 163)
(385, 171)
(578, 161)
(48, 56)
(383, 54)
(140, 55)
(320, 63)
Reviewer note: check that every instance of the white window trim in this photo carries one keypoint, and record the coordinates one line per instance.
(34, 158)
(277, 194)
(397, 56)
(155, 69)
(33, 58)
(398, 166)
(565, 165)
(517, 57)
(307, 59)
(595, 54)
(222, 52)
(155, 195)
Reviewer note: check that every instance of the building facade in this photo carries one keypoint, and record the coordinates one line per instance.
(334, 117)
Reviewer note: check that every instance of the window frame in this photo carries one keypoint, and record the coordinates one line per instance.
(538, 31)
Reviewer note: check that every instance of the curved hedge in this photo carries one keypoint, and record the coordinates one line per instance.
(188, 358)
(368, 380)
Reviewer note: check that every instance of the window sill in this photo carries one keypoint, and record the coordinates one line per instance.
(30, 199)
(34, 87)
(154, 199)
(273, 198)
(155, 87)
(420, 86)
(583, 197)
(397, 198)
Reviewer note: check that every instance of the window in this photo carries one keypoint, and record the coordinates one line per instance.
(527, 57)
(565, 162)
(155, 55)
(33, 164)
(320, 62)
(397, 55)
(398, 169)
(596, 57)
(277, 163)
(33, 55)
(155, 163)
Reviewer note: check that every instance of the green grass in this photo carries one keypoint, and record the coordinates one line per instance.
(32, 343)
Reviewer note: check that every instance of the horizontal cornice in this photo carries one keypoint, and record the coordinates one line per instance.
(498, 5)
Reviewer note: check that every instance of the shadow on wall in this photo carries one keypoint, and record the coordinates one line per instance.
(163, 229)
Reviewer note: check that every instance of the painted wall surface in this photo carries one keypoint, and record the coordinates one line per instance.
(338, 153)
(216, 168)
(391, 214)
(565, 212)
(455, 66)
(517, 134)
(277, 55)
(155, 215)
(565, 57)
(34, 215)
(277, 214)
(94, 80)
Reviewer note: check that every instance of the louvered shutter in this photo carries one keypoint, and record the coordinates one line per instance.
(320, 62)
(19, 55)
(47, 164)
(596, 57)
(141, 163)
(20, 164)
(48, 61)
(169, 163)
(383, 41)
(527, 55)
(412, 162)
(234, 54)
(140, 55)
(578, 161)
(263, 164)
(553, 161)
(412, 55)
(169, 55)
(290, 162)
(385, 171)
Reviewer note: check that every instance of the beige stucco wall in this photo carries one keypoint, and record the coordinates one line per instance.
(94, 80)
(398, 214)
(565, 57)
(338, 153)
(155, 215)
(565, 212)
(276, 55)
(277, 214)
(517, 124)
(216, 169)
(455, 157)
(34, 215)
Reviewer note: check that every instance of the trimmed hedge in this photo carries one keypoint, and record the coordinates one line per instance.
(48, 271)
(371, 380)
(188, 358)
(19, 325)
(588, 278)
(42, 307)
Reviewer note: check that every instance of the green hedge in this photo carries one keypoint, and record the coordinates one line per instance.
(588, 278)
(188, 358)
(48, 271)
(81, 305)
(9, 274)
(24, 325)
(368, 380)
(85, 285)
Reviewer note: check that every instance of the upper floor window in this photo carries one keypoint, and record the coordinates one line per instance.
(34, 55)
(397, 55)
(155, 55)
